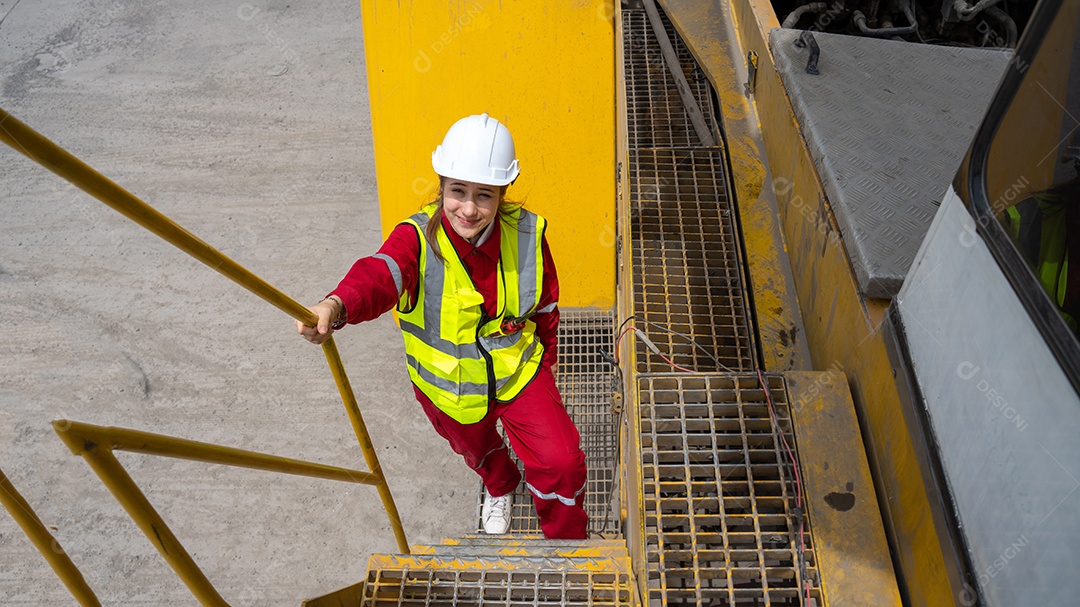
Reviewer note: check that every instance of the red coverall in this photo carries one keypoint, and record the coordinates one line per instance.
(539, 429)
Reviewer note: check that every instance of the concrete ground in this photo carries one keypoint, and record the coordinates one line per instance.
(248, 124)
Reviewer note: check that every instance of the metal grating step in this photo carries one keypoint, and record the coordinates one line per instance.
(655, 113)
(439, 580)
(587, 383)
(488, 545)
(719, 496)
(687, 261)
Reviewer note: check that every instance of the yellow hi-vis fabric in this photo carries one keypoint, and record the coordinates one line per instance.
(457, 356)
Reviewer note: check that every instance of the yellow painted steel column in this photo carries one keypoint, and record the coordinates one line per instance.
(547, 71)
(46, 544)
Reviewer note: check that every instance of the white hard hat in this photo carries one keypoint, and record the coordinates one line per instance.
(478, 149)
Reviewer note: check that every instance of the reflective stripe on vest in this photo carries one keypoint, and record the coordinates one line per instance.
(457, 356)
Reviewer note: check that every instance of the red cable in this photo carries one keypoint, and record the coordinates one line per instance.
(794, 467)
(618, 339)
(631, 327)
(668, 361)
(783, 439)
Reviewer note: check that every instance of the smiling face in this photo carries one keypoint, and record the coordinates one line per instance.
(470, 206)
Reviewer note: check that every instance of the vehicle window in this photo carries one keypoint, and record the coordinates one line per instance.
(1033, 167)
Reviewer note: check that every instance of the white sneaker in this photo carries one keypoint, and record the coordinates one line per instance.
(496, 513)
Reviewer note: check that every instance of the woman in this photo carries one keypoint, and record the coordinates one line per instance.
(476, 292)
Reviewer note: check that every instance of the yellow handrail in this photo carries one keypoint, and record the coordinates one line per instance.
(86, 438)
(38, 148)
(46, 544)
(97, 443)
(41, 150)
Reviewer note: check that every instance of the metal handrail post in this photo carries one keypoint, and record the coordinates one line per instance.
(41, 150)
(46, 544)
(347, 396)
(131, 498)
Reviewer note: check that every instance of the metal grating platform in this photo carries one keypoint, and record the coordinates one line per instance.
(719, 495)
(587, 384)
(887, 124)
(654, 110)
(687, 261)
(434, 580)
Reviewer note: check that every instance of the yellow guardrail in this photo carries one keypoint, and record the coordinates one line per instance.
(45, 543)
(41, 150)
(97, 443)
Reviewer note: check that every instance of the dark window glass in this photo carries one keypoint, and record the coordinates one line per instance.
(1021, 179)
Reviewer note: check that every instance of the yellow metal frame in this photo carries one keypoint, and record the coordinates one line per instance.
(631, 495)
(97, 443)
(41, 150)
(46, 544)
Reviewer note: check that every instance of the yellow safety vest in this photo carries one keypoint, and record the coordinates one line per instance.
(1040, 226)
(457, 356)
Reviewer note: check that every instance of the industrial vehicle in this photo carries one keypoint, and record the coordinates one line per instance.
(818, 329)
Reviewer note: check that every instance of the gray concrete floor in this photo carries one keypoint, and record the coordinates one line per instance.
(247, 123)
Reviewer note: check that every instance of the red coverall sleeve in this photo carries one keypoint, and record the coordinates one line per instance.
(547, 323)
(371, 288)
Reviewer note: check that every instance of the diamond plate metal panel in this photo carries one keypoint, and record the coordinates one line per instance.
(887, 124)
